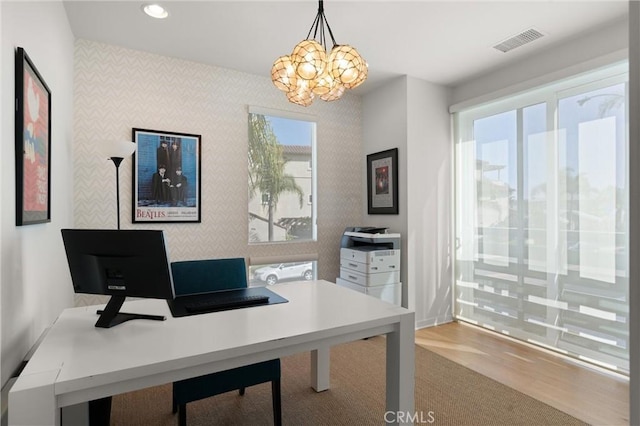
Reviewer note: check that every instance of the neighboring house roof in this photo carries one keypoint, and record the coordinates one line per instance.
(296, 149)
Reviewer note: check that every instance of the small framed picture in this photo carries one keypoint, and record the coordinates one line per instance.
(33, 143)
(166, 177)
(382, 182)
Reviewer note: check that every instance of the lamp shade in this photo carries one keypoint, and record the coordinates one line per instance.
(364, 71)
(345, 63)
(118, 149)
(302, 94)
(324, 83)
(309, 59)
(283, 74)
(334, 94)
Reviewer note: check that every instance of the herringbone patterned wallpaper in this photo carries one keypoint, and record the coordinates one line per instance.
(117, 89)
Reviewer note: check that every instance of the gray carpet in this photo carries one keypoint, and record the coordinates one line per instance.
(446, 393)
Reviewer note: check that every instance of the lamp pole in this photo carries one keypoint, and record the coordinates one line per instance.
(116, 162)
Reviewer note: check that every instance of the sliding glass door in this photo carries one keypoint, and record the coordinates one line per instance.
(541, 217)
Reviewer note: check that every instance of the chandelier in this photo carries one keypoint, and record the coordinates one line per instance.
(309, 71)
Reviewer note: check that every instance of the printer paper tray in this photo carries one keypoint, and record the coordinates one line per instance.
(378, 257)
(369, 280)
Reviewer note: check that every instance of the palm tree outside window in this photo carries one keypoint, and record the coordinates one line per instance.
(280, 179)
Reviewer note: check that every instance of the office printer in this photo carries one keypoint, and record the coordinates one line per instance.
(369, 236)
(370, 262)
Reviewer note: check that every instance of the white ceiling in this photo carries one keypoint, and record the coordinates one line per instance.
(445, 42)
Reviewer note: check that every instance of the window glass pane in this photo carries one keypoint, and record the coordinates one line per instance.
(262, 275)
(541, 231)
(538, 165)
(281, 179)
(595, 287)
(496, 142)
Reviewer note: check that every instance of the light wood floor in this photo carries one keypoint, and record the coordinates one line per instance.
(590, 395)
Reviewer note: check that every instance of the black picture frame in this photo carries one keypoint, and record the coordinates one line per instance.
(382, 182)
(32, 143)
(167, 197)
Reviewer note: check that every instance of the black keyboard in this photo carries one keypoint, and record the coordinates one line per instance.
(221, 301)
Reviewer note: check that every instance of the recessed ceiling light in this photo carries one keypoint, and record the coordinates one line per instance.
(155, 11)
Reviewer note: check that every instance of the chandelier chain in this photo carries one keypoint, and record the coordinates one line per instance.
(319, 24)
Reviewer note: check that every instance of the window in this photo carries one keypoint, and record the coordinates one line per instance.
(541, 218)
(281, 183)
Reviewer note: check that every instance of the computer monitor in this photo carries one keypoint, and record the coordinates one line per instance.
(119, 263)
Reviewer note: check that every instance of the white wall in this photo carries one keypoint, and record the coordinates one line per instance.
(429, 200)
(600, 47)
(412, 115)
(118, 89)
(34, 280)
(384, 117)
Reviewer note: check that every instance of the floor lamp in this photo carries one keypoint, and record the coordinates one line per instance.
(118, 151)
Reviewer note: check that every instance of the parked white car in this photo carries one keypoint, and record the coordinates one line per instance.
(284, 271)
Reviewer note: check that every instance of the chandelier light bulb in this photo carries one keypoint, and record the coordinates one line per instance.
(309, 59)
(324, 83)
(334, 94)
(283, 74)
(345, 63)
(362, 76)
(301, 96)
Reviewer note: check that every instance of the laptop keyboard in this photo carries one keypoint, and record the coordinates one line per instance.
(221, 301)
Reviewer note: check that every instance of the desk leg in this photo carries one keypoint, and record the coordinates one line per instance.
(401, 372)
(32, 401)
(320, 369)
(74, 415)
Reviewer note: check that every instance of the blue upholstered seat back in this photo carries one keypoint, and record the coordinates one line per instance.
(198, 276)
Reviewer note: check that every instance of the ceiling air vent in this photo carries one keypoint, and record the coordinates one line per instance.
(523, 38)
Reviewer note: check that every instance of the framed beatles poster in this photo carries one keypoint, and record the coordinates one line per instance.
(33, 143)
(166, 177)
(382, 182)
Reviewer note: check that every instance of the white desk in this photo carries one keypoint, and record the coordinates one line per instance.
(77, 362)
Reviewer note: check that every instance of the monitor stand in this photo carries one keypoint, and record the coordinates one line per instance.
(111, 315)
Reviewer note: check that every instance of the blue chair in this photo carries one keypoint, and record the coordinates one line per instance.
(199, 276)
